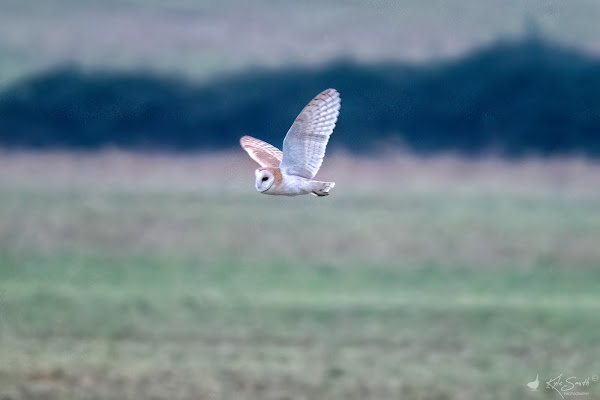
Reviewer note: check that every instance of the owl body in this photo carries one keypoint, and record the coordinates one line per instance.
(273, 181)
(290, 173)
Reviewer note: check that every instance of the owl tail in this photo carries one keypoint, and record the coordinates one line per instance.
(321, 188)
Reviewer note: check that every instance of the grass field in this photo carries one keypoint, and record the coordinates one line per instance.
(151, 276)
(203, 38)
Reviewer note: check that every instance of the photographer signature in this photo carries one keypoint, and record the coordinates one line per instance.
(569, 384)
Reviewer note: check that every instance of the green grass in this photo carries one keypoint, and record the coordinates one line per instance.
(125, 291)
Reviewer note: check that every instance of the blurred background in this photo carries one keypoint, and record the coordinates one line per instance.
(457, 257)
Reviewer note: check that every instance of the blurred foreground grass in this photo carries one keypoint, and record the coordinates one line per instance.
(127, 276)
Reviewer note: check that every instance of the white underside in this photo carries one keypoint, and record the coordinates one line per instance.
(291, 185)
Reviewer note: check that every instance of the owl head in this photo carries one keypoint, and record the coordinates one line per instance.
(264, 179)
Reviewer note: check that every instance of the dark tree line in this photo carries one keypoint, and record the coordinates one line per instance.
(511, 98)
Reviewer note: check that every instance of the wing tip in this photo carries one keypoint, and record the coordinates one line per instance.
(334, 97)
(331, 92)
(244, 140)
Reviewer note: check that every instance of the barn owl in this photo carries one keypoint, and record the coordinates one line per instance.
(290, 173)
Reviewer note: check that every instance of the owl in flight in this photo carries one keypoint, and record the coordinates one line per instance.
(290, 172)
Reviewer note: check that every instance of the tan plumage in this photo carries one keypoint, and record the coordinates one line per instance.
(261, 152)
(303, 150)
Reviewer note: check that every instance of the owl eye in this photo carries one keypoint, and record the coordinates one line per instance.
(264, 178)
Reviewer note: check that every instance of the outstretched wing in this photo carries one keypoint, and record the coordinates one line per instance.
(261, 152)
(305, 143)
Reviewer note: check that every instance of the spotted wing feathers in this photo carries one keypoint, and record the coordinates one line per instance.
(305, 143)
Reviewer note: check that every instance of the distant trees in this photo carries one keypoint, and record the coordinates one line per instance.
(512, 98)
